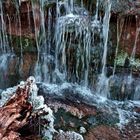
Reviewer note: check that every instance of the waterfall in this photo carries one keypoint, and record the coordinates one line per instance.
(120, 25)
(43, 41)
(69, 27)
(102, 87)
(6, 54)
(66, 37)
(106, 21)
(4, 44)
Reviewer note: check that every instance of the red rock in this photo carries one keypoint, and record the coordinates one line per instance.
(79, 110)
(26, 23)
(103, 133)
(128, 36)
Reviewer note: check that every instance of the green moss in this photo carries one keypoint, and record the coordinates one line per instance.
(135, 63)
(23, 43)
(121, 57)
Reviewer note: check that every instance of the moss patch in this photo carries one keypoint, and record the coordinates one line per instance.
(23, 44)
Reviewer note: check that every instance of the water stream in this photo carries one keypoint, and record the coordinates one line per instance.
(5, 51)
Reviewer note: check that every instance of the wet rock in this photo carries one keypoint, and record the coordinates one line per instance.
(23, 44)
(82, 130)
(27, 65)
(129, 36)
(70, 135)
(13, 68)
(121, 87)
(137, 109)
(79, 110)
(91, 120)
(131, 131)
(103, 133)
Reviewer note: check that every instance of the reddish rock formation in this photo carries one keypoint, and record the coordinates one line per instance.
(78, 110)
(103, 133)
(15, 114)
(26, 22)
(130, 30)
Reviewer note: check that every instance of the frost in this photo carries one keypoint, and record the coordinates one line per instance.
(37, 102)
(69, 135)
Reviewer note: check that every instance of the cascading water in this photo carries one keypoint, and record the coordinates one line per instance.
(102, 88)
(132, 58)
(71, 27)
(41, 65)
(4, 46)
(5, 51)
(66, 38)
(120, 24)
(64, 45)
(44, 38)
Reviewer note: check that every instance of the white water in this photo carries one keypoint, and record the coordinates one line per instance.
(102, 86)
(4, 44)
(106, 21)
(71, 26)
(120, 25)
(43, 35)
(6, 54)
(65, 45)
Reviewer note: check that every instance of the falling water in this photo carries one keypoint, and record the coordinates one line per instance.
(106, 21)
(69, 27)
(4, 45)
(120, 25)
(43, 42)
(64, 44)
(97, 10)
(5, 51)
(73, 44)
(102, 87)
(36, 18)
(132, 58)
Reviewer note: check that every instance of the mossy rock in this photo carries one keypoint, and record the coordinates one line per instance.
(23, 44)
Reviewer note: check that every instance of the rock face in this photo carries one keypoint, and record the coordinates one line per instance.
(103, 133)
(20, 106)
(68, 136)
(81, 115)
(24, 26)
(30, 16)
(99, 119)
(130, 36)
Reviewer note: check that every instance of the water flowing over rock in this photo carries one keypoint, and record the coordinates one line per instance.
(85, 57)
